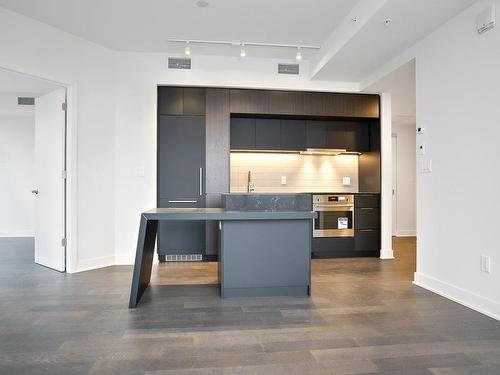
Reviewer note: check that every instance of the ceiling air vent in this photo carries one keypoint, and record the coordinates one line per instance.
(288, 68)
(179, 63)
(23, 100)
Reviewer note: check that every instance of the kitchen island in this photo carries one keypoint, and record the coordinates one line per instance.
(262, 253)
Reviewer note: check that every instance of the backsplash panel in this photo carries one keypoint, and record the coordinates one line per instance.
(304, 173)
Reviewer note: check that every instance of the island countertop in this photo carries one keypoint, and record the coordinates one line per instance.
(223, 214)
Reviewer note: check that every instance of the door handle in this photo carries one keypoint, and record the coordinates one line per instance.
(35, 191)
(201, 181)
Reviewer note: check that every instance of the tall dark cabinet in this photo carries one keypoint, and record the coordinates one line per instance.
(181, 167)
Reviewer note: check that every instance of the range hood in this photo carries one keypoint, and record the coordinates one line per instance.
(323, 151)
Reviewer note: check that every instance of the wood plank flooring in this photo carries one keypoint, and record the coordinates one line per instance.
(364, 317)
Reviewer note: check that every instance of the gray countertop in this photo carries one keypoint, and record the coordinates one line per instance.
(223, 214)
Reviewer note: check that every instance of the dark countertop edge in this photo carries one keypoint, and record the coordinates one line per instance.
(199, 214)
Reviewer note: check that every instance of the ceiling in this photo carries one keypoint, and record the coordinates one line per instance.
(350, 51)
(376, 43)
(12, 82)
(145, 26)
(401, 85)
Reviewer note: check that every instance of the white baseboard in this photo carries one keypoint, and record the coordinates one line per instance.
(94, 263)
(406, 233)
(17, 234)
(129, 259)
(464, 297)
(386, 254)
(124, 259)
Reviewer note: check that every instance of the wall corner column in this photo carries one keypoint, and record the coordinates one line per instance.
(386, 251)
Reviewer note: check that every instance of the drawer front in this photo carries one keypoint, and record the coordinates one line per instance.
(195, 202)
(367, 240)
(367, 218)
(368, 200)
(332, 244)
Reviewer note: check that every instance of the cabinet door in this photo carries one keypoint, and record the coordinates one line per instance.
(249, 101)
(357, 136)
(316, 134)
(181, 157)
(267, 134)
(336, 135)
(367, 218)
(170, 100)
(286, 103)
(181, 162)
(242, 135)
(194, 101)
(367, 200)
(293, 134)
(367, 240)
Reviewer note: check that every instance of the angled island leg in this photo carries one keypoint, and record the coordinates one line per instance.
(143, 259)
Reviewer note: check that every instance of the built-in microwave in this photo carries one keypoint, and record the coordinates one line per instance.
(335, 215)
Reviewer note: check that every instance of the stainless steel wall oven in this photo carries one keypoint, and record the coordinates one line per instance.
(335, 215)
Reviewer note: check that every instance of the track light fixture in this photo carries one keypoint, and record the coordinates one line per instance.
(298, 56)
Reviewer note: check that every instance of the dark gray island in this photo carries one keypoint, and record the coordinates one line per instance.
(262, 253)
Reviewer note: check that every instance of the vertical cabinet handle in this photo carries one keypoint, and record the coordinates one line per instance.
(201, 181)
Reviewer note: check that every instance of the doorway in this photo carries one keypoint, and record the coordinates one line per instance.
(33, 168)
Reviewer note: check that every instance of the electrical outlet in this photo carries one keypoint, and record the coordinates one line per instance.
(485, 264)
(283, 180)
(346, 181)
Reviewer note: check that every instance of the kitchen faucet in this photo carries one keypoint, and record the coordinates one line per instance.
(250, 185)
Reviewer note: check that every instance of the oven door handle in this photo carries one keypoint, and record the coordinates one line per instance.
(330, 208)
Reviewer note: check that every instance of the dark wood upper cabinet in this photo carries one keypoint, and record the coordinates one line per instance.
(341, 105)
(286, 103)
(293, 103)
(178, 101)
(242, 136)
(249, 101)
(194, 101)
(293, 135)
(170, 100)
(316, 134)
(267, 134)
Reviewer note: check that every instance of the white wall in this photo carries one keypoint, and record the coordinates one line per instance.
(458, 85)
(17, 148)
(31, 47)
(406, 179)
(457, 94)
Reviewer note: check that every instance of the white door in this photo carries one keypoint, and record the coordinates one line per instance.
(50, 135)
(394, 185)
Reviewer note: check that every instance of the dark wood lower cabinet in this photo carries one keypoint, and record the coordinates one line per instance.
(367, 240)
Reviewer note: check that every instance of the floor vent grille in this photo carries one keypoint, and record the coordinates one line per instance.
(184, 257)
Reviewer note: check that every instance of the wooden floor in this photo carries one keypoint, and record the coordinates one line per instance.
(364, 317)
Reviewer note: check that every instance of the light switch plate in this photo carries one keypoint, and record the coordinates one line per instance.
(283, 180)
(425, 165)
(139, 172)
(346, 181)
